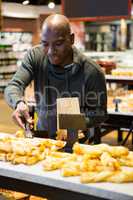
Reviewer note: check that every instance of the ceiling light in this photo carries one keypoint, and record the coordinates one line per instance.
(26, 2)
(132, 11)
(51, 5)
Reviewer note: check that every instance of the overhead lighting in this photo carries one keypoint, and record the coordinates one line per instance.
(26, 2)
(132, 11)
(51, 5)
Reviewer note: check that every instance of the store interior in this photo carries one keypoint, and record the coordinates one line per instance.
(109, 42)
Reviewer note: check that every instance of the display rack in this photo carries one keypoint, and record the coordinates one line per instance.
(8, 64)
(119, 79)
(119, 121)
(13, 46)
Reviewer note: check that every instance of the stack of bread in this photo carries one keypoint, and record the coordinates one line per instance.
(93, 163)
(25, 150)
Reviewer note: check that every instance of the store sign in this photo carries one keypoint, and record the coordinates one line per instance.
(94, 10)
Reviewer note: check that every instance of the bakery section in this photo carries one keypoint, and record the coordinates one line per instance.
(37, 166)
(92, 171)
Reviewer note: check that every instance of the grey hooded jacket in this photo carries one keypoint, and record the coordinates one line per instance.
(83, 79)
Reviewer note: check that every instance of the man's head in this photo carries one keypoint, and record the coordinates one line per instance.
(57, 39)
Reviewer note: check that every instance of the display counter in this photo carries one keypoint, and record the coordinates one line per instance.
(119, 79)
(120, 115)
(34, 180)
(120, 121)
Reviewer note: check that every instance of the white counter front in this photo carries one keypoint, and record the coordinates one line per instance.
(35, 175)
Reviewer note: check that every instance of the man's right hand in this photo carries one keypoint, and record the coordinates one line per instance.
(61, 134)
(21, 114)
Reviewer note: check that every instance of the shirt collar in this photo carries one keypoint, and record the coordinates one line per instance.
(77, 56)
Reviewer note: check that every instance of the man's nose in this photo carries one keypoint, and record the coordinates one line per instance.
(51, 50)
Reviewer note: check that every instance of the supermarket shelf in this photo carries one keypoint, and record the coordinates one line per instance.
(8, 64)
(119, 120)
(8, 69)
(3, 83)
(119, 79)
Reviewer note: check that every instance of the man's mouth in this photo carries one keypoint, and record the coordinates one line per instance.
(54, 58)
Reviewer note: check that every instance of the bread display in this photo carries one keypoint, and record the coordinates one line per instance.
(93, 163)
(125, 97)
(122, 72)
(27, 151)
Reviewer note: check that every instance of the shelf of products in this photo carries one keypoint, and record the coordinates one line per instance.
(109, 35)
(120, 107)
(119, 79)
(122, 59)
(8, 64)
(13, 46)
(118, 68)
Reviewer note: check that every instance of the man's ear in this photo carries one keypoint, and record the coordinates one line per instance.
(72, 38)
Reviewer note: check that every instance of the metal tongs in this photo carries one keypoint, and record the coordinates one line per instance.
(28, 132)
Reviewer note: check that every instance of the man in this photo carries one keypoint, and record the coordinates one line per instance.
(58, 69)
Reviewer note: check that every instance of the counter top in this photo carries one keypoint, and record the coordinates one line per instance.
(35, 174)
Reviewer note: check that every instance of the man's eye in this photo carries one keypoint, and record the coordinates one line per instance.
(59, 43)
(44, 44)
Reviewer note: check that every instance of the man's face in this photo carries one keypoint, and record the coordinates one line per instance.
(57, 45)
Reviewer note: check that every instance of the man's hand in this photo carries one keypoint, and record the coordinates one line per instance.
(21, 115)
(61, 134)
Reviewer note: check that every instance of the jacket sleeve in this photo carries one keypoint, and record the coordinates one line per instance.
(14, 91)
(95, 98)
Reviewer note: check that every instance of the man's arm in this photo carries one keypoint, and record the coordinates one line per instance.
(14, 92)
(96, 99)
